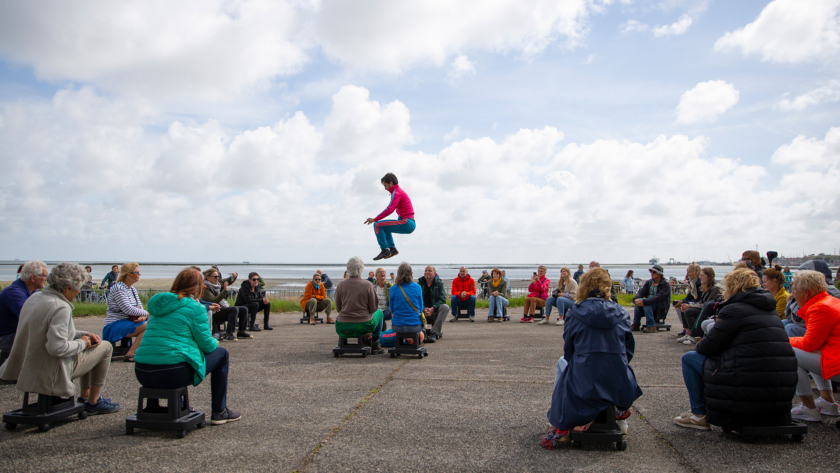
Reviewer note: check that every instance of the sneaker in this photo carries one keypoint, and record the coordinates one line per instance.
(801, 412)
(392, 252)
(649, 330)
(453, 319)
(385, 253)
(622, 424)
(560, 322)
(224, 417)
(102, 406)
(692, 421)
(430, 337)
(241, 334)
(827, 408)
(683, 338)
(634, 327)
(681, 334)
(82, 400)
(690, 340)
(530, 320)
(543, 321)
(523, 320)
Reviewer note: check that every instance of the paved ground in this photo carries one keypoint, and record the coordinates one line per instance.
(476, 403)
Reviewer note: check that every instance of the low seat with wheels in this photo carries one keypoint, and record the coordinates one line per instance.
(505, 316)
(344, 347)
(604, 429)
(174, 416)
(408, 344)
(305, 318)
(46, 410)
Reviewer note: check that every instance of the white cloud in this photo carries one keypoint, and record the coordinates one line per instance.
(805, 154)
(631, 26)
(461, 67)
(789, 31)
(824, 94)
(706, 101)
(453, 135)
(677, 28)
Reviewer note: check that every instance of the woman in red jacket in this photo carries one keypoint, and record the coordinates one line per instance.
(818, 352)
(537, 294)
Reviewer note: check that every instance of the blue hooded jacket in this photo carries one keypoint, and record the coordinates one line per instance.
(598, 347)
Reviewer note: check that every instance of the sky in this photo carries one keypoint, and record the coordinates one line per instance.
(524, 131)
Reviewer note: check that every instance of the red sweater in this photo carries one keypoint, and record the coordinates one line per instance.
(822, 321)
(463, 285)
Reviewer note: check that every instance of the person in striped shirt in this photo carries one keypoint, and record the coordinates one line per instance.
(405, 218)
(125, 317)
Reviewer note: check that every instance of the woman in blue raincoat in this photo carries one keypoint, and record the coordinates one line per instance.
(594, 371)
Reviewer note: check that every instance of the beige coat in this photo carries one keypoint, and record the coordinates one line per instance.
(572, 289)
(46, 346)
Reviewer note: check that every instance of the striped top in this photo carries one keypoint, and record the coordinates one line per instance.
(122, 302)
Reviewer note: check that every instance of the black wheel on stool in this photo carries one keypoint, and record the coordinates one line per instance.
(182, 434)
(335, 355)
(363, 355)
(621, 446)
(83, 415)
(749, 438)
(797, 437)
(727, 430)
(668, 329)
(10, 425)
(202, 424)
(44, 427)
(577, 444)
(129, 430)
(393, 355)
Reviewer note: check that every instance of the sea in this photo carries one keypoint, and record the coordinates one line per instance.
(303, 272)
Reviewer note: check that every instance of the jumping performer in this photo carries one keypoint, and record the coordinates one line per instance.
(404, 223)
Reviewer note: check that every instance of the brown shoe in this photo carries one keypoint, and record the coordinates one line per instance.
(329, 320)
(649, 330)
(634, 327)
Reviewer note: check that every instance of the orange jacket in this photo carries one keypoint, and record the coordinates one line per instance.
(822, 321)
(463, 285)
(310, 292)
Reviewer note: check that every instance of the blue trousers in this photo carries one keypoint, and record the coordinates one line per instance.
(181, 374)
(384, 228)
(497, 305)
(692, 369)
(456, 303)
(563, 305)
(647, 311)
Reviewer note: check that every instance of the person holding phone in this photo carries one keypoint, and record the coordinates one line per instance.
(49, 353)
(125, 317)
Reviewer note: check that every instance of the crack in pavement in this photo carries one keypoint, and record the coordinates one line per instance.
(311, 455)
(682, 460)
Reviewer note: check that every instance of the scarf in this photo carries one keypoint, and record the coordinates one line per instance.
(316, 286)
(216, 289)
(496, 282)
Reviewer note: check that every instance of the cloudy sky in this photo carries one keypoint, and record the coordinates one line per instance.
(523, 130)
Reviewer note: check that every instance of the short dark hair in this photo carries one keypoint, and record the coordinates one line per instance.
(252, 274)
(390, 177)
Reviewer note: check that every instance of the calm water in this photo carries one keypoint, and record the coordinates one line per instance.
(336, 272)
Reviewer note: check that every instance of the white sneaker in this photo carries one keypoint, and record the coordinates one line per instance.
(801, 412)
(689, 341)
(622, 424)
(543, 321)
(827, 408)
(683, 338)
(560, 322)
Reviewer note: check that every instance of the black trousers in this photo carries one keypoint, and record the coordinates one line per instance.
(228, 315)
(708, 311)
(255, 307)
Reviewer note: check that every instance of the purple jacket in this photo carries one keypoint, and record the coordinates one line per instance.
(399, 202)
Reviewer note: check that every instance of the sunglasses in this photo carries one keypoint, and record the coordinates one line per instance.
(255, 279)
(214, 277)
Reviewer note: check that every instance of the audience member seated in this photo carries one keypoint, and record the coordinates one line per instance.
(216, 293)
(652, 300)
(49, 353)
(435, 309)
(463, 294)
(795, 325)
(563, 297)
(774, 282)
(358, 306)
(594, 372)
(371, 277)
(110, 279)
(629, 283)
(753, 260)
(252, 297)
(537, 294)
(33, 276)
(742, 374)
(692, 294)
(818, 350)
(405, 301)
(595, 264)
(179, 350)
(315, 299)
(497, 300)
(382, 288)
(125, 316)
(482, 283)
(578, 273)
(697, 313)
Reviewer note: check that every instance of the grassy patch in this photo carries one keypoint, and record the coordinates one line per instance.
(627, 299)
(83, 309)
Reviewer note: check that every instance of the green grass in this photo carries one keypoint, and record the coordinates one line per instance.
(84, 309)
(627, 299)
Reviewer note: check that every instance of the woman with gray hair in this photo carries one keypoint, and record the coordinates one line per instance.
(49, 353)
(358, 307)
(406, 302)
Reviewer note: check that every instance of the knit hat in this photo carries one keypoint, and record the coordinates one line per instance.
(817, 265)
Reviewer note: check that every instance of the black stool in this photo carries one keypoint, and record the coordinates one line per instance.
(462, 313)
(175, 416)
(305, 318)
(44, 412)
(121, 349)
(505, 316)
(660, 324)
(408, 344)
(604, 429)
(797, 431)
(344, 347)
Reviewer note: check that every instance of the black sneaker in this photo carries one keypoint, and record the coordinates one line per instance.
(392, 252)
(430, 336)
(241, 334)
(385, 253)
(228, 338)
(254, 328)
(267, 327)
(227, 415)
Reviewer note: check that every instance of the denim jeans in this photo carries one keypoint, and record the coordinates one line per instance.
(456, 302)
(563, 305)
(647, 311)
(182, 374)
(692, 369)
(794, 330)
(497, 305)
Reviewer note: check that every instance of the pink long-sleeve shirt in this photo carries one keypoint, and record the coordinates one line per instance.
(399, 202)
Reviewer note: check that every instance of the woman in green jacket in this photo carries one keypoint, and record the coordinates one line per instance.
(178, 348)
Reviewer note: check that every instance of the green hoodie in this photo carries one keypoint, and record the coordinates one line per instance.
(177, 332)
